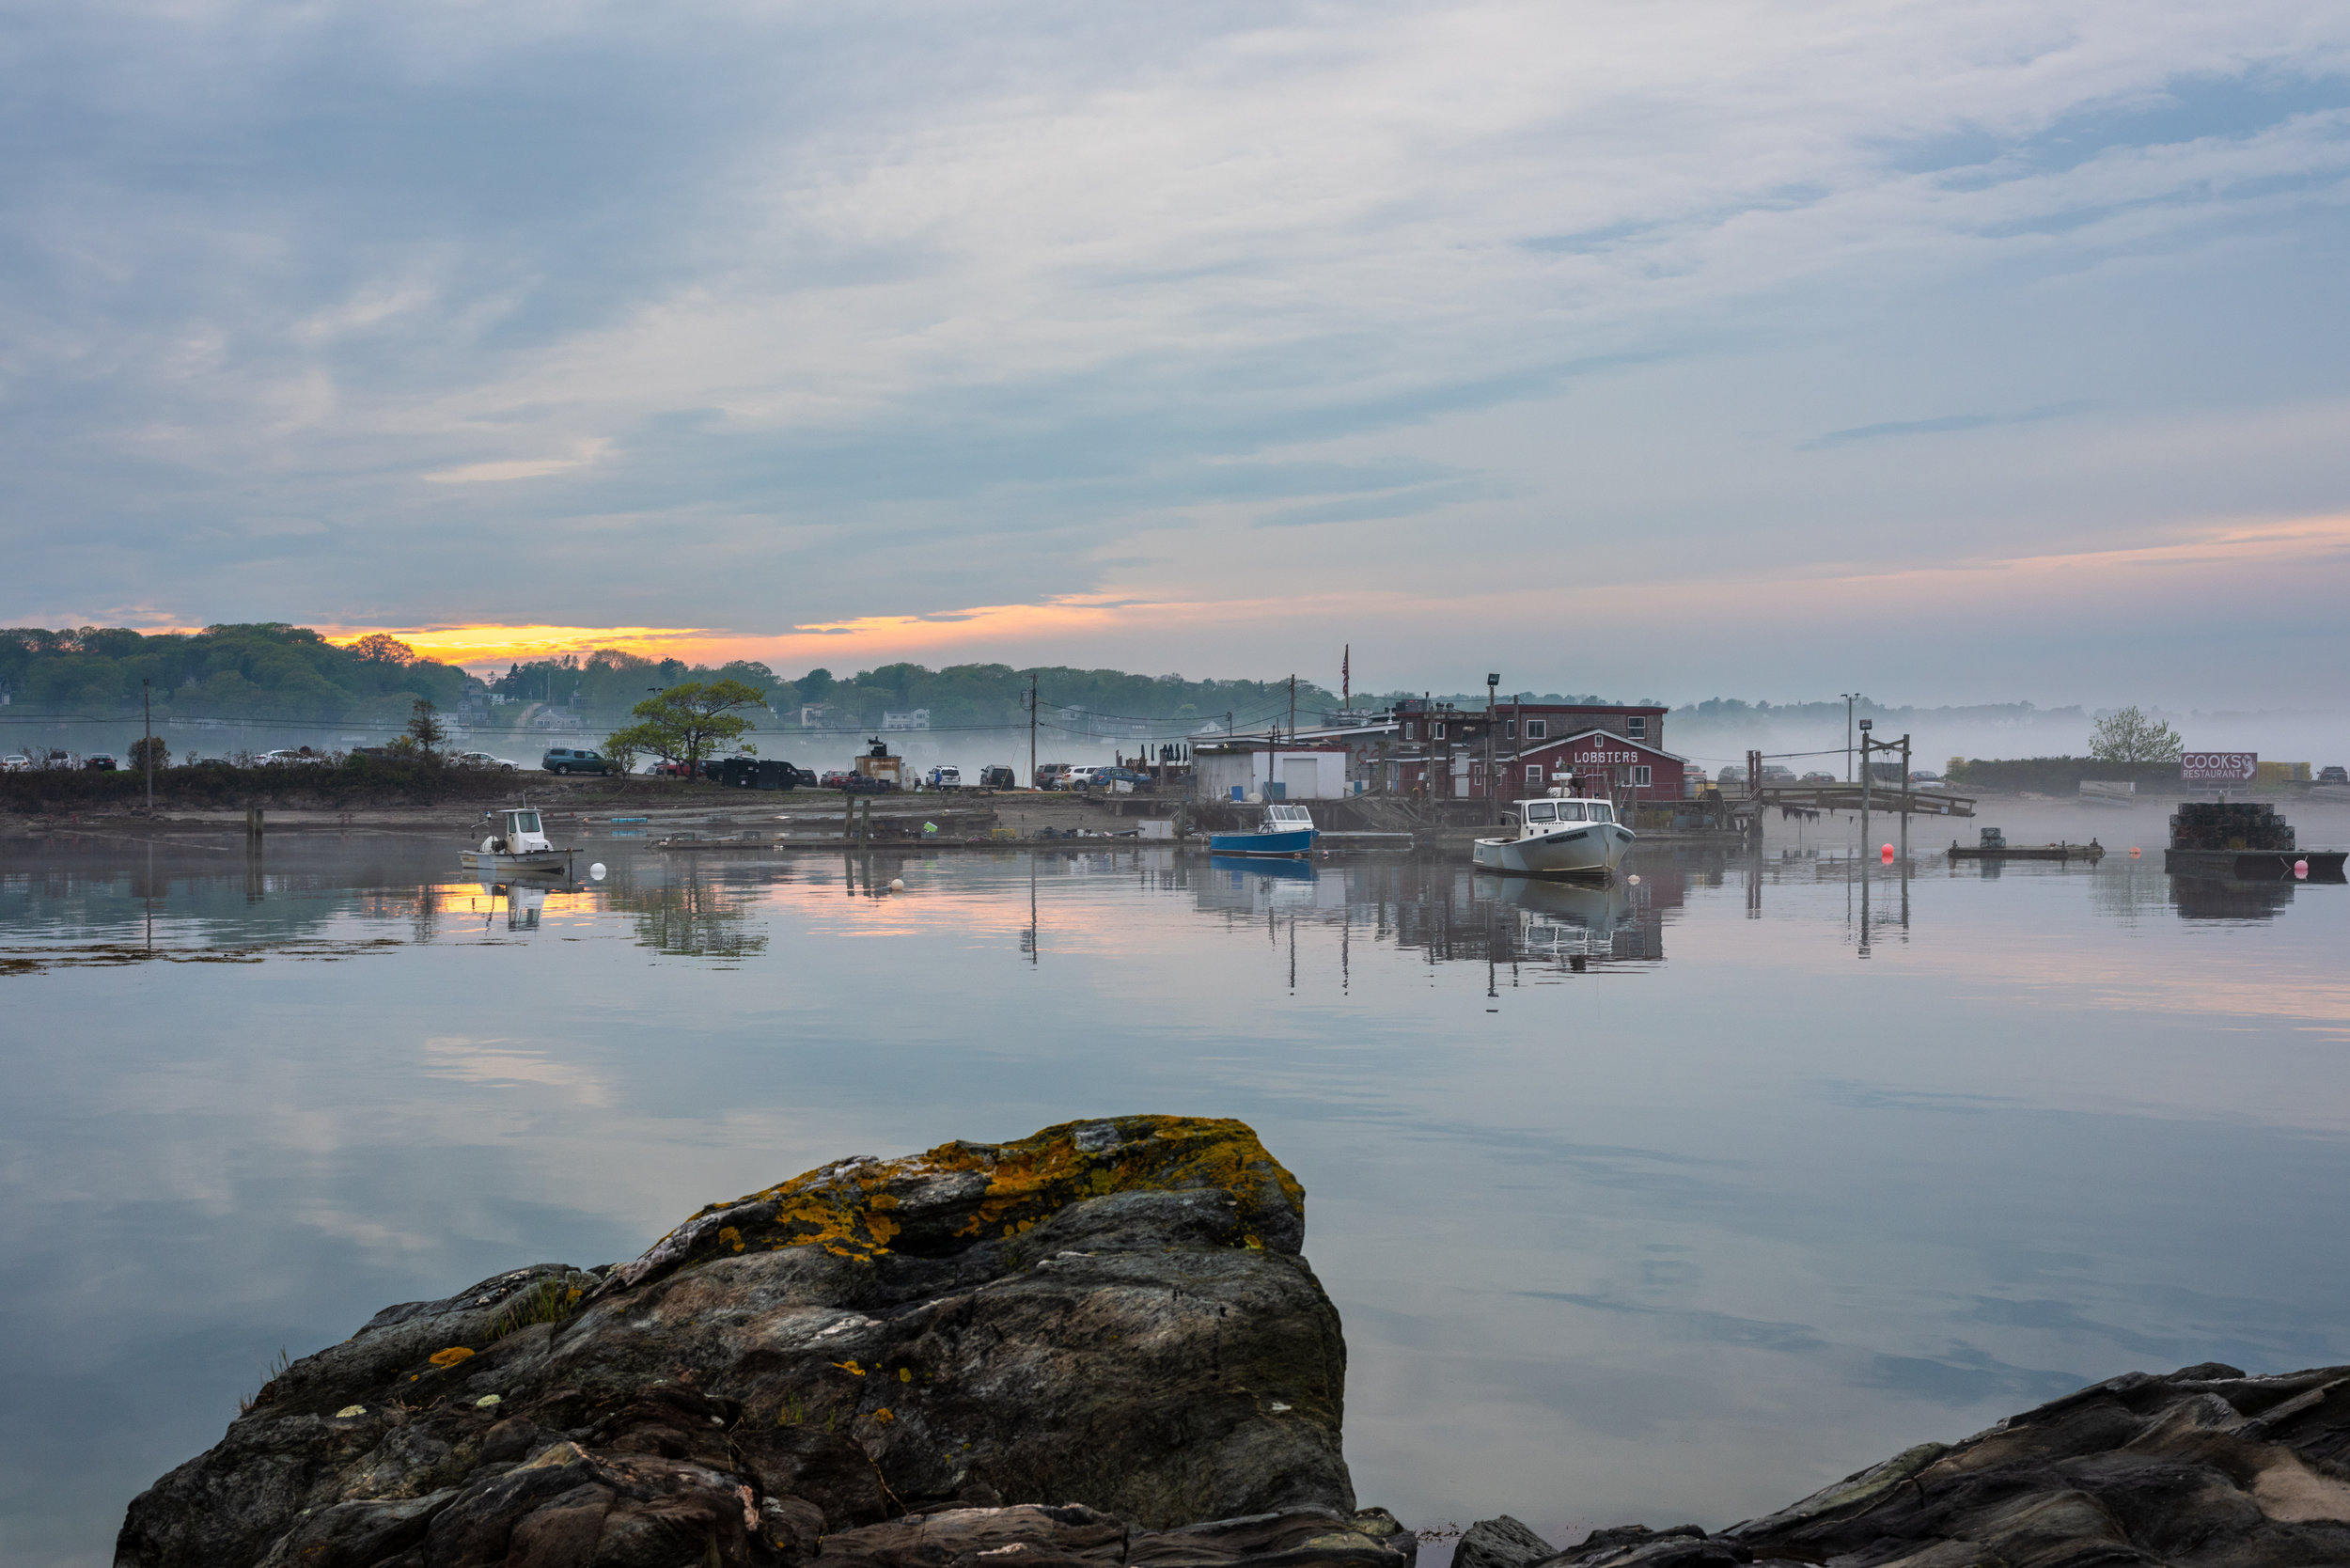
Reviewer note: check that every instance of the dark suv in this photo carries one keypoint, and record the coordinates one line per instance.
(564, 760)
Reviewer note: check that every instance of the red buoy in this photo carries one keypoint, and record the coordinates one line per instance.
(2301, 870)
(2133, 852)
(1886, 854)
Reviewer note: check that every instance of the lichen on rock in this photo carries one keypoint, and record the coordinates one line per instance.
(1113, 1315)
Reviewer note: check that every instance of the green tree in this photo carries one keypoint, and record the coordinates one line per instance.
(140, 747)
(688, 722)
(425, 729)
(620, 750)
(2131, 736)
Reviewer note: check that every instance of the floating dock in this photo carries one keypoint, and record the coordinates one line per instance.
(2091, 851)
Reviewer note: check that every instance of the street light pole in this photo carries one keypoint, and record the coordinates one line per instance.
(1850, 698)
(1493, 687)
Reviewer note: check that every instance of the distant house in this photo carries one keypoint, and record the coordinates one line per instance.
(811, 716)
(913, 718)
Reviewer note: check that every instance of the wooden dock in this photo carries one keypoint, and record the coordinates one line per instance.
(1888, 800)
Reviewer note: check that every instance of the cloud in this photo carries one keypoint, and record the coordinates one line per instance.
(759, 318)
(1947, 424)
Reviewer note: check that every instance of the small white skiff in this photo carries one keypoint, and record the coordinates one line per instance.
(519, 844)
(1559, 835)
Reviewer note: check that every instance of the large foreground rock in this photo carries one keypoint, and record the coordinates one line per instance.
(2206, 1468)
(1110, 1318)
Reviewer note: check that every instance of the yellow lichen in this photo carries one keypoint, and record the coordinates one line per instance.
(905, 1375)
(450, 1356)
(884, 1415)
(851, 1366)
(854, 1211)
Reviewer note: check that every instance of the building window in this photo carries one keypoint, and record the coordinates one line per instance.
(1536, 728)
(1509, 730)
(1477, 767)
(1438, 730)
(1533, 776)
(1411, 730)
(1639, 778)
(1636, 724)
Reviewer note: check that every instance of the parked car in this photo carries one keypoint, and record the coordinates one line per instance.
(288, 758)
(1817, 777)
(100, 761)
(944, 778)
(756, 772)
(15, 762)
(1119, 776)
(561, 759)
(1053, 776)
(998, 778)
(480, 760)
(1077, 778)
(1925, 779)
(2333, 776)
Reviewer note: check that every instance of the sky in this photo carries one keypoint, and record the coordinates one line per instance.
(1960, 353)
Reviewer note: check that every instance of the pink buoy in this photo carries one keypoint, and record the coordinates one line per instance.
(1886, 854)
(2133, 852)
(2301, 870)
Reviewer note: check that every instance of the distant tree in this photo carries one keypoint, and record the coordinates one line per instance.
(425, 730)
(620, 750)
(688, 722)
(381, 647)
(2130, 736)
(140, 747)
(1955, 768)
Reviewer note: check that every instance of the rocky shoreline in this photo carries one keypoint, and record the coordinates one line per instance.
(1100, 1345)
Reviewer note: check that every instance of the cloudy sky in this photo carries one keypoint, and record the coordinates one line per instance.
(1961, 351)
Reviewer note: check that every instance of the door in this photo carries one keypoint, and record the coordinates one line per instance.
(1301, 778)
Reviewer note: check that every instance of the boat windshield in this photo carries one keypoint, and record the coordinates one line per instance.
(522, 821)
(1287, 816)
(1570, 810)
(1602, 813)
(1540, 812)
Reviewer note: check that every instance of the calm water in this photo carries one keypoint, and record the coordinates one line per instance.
(1667, 1203)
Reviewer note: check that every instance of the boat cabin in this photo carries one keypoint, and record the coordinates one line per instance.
(1280, 818)
(1536, 817)
(518, 831)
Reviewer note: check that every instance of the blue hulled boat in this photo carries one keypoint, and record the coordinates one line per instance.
(1287, 830)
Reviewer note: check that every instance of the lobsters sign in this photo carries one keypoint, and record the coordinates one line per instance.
(2219, 767)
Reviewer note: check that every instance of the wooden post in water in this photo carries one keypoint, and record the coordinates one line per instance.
(146, 752)
(252, 828)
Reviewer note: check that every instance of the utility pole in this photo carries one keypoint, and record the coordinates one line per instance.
(1904, 813)
(1493, 688)
(1292, 709)
(1032, 729)
(1866, 725)
(1850, 698)
(146, 752)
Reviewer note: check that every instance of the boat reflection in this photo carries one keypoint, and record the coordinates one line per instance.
(1575, 923)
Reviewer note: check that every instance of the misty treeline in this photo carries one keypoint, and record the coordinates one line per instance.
(958, 696)
(273, 671)
(267, 670)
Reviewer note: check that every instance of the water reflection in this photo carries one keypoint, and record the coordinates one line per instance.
(699, 917)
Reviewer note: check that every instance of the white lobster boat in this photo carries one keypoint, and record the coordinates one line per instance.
(519, 844)
(1559, 835)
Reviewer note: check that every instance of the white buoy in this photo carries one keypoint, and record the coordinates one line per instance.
(896, 885)
(1635, 881)
(596, 871)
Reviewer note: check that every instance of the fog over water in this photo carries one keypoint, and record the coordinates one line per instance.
(1670, 1200)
